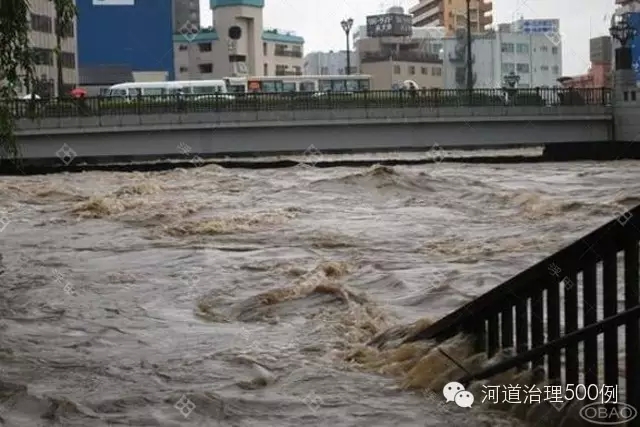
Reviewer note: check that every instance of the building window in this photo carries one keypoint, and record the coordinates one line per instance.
(554, 50)
(544, 49)
(522, 68)
(507, 47)
(281, 70)
(206, 68)
(184, 69)
(264, 50)
(324, 71)
(544, 68)
(508, 68)
(265, 69)
(68, 60)
(204, 47)
(424, 70)
(183, 47)
(522, 48)
(436, 71)
(412, 70)
(41, 23)
(42, 56)
(396, 69)
(67, 31)
(555, 69)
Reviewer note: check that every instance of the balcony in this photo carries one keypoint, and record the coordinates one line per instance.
(424, 6)
(288, 53)
(486, 6)
(385, 56)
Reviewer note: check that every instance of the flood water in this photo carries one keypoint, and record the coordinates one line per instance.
(233, 297)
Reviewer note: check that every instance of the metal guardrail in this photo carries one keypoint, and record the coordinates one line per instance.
(539, 314)
(301, 101)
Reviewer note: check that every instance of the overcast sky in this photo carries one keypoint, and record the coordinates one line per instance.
(318, 21)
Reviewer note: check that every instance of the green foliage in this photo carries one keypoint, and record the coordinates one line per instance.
(16, 63)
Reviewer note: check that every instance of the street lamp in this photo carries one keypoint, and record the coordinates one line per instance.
(346, 26)
(623, 31)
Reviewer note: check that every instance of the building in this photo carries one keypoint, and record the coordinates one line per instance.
(186, 14)
(535, 57)
(210, 53)
(600, 72)
(452, 14)
(43, 40)
(134, 33)
(329, 63)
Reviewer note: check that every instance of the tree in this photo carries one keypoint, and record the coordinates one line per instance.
(65, 11)
(17, 62)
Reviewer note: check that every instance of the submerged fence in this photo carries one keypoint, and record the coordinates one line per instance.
(576, 314)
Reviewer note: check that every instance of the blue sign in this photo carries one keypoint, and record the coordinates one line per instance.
(634, 20)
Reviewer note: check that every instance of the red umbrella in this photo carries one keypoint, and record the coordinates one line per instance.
(78, 93)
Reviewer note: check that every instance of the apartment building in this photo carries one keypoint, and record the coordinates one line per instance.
(536, 58)
(205, 56)
(43, 41)
(392, 60)
(329, 63)
(452, 14)
(210, 53)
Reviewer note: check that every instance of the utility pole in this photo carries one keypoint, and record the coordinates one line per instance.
(469, 58)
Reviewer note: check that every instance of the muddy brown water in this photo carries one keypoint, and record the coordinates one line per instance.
(213, 297)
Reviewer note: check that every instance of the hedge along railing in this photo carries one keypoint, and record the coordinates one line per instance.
(297, 101)
(564, 289)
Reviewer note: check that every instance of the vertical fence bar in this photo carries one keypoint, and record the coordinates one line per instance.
(553, 328)
(522, 327)
(590, 316)
(537, 324)
(632, 331)
(493, 334)
(506, 318)
(570, 325)
(610, 307)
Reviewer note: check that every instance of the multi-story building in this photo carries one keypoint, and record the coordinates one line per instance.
(43, 40)
(210, 53)
(329, 63)
(452, 14)
(599, 73)
(186, 14)
(132, 33)
(535, 57)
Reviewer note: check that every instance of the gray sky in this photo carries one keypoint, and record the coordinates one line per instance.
(318, 21)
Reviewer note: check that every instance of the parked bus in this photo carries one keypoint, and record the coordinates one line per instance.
(195, 88)
(288, 84)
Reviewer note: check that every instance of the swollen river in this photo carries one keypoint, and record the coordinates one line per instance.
(232, 297)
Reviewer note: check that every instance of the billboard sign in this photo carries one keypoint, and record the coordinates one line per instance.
(389, 24)
(114, 2)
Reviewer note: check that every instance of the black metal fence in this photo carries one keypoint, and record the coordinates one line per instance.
(569, 314)
(296, 101)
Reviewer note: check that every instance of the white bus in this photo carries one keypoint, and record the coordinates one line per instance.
(196, 88)
(287, 84)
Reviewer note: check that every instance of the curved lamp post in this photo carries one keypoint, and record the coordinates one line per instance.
(346, 27)
(623, 31)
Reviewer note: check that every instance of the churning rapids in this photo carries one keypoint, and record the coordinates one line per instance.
(214, 297)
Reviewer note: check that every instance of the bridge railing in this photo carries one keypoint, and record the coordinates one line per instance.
(300, 101)
(569, 314)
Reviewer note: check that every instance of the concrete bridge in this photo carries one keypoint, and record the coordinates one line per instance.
(368, 124)
(155, 136)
